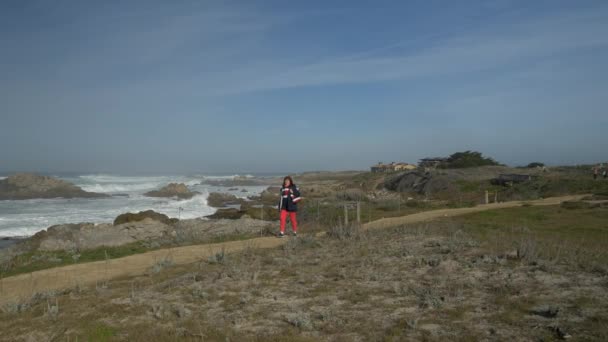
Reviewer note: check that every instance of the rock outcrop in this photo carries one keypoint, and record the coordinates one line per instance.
(179, 190)
(151, 231)
(142, 215)
(219, 200)
(23, 186)
(418, 182)
(229, 213)
(75, 237)
(270, 196)
(237, 181)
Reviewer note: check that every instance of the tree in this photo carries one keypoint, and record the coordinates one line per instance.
(467, 159)
(535, 165)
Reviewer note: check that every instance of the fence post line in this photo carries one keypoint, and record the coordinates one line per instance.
(487, 197)
(358, 212)
(496, 197)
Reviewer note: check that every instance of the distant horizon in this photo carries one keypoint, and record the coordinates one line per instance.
(243, 173)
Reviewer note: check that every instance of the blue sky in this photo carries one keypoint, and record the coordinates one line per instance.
(233, 86)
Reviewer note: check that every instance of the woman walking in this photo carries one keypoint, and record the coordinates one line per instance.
(288, 205)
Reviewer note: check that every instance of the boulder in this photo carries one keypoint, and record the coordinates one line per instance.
(179, 190)
(219, 200)
(23, 186)
(142, 215)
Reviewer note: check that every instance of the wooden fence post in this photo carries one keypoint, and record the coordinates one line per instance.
(345, 214)
(487, 197)
(358, 212)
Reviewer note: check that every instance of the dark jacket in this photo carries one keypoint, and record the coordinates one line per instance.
(289, 198)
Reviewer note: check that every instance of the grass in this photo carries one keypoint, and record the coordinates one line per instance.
(331, 213)
(100, 333)
(547, 221)
(40, 260)
(576, 235)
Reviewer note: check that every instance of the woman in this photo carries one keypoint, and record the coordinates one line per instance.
(288, 205)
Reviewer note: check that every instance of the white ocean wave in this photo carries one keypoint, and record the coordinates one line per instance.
(26, 217)
(231, 177)
(115, 188)
(104, 183)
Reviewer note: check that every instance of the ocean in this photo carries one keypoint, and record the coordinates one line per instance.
(26, 217)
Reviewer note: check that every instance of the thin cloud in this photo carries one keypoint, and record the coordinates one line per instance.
(473, 52)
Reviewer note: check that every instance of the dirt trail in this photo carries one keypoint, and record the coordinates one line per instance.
(434, 214)
(23, 286)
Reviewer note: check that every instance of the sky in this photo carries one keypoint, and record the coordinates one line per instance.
(263, 86)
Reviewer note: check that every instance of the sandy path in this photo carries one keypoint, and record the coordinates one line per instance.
(23, 286)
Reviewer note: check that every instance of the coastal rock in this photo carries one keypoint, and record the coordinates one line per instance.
(76, 237)
(142, 215)
(236, 181)
(73, 238)
(179, 190)
(23, 186)
(270, 196)
(230, 213)
(219, 200)
(129, 228)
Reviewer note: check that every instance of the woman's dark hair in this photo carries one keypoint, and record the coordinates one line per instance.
(290, 180)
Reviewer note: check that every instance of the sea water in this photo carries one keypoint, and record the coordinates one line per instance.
(26, 217)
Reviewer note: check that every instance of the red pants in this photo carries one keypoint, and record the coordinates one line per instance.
(292, 218)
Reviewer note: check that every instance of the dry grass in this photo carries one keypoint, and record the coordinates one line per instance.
(437, 281)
